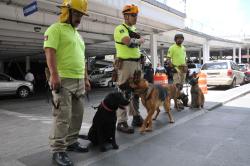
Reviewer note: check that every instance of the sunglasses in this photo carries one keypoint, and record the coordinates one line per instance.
(76, 13)
(133, 15)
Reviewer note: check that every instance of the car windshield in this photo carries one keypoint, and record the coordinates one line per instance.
(193, 65)
(242, 67)
(215, 66)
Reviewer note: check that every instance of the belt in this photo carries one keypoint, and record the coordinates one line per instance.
(131, 59)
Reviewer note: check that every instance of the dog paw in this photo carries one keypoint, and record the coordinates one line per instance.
(115, 146)
(142, 130)
(103, 149)
(149, 129)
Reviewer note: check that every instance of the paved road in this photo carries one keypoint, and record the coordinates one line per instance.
(215, 138)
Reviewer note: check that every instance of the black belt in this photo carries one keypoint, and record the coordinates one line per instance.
(131, 59)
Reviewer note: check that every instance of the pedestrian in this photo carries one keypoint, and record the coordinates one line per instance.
(29, 77)
(149, 74)
(127, 43)
(65, 55)
(160, 69)
(177, 56)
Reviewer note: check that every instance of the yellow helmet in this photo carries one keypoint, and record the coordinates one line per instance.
(130, 9)
(79, 5)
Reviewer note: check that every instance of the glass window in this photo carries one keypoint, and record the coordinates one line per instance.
(215, 66)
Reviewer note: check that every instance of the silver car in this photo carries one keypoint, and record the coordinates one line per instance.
(9, 85)
(223, 72)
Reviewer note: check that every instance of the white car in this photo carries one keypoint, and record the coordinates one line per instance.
(9, 85)
(223, 73)
(105, 81)
(193, 68)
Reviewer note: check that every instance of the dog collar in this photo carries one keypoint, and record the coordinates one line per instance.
(106, 108)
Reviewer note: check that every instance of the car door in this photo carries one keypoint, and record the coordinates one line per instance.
(237, 73)
(4, 84)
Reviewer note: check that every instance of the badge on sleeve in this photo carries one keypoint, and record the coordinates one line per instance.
(46, 38)
(122, 31)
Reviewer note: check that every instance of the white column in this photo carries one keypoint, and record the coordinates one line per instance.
(1, 67)
(239, 54)
(206, 52)
(27, 63)
(200, 56)
(234, 54)
(153, 50)
(248, 55)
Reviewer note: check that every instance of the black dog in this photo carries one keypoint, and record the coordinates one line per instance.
(103, 127)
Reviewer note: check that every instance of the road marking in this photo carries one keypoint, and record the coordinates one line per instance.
(43, 119)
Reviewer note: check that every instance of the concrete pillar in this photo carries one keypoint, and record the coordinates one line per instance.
(206, 52)
(239, 54)
(234, 54)
(221, 54)
(248, 59)
(27, 63)
(200, 56)
(1, 67)
(162, 57)
(153, 50)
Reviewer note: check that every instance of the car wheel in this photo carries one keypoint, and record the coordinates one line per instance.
(233, 85)
(110, 84)
(23, 92)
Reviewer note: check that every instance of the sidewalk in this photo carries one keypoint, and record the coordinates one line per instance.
(27, 143)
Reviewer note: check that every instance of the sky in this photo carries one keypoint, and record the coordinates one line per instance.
(219, 17)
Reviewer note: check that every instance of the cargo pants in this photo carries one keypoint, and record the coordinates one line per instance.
(127, 71)
(67, 113)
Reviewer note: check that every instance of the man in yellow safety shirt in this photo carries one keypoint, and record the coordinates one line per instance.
(65, 55)
(127, 43)
(177, 55)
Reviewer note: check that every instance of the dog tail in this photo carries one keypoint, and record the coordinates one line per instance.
(84, 137)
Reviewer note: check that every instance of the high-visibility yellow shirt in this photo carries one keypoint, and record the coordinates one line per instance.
(70, 49)
(177, 54)
(123, 51)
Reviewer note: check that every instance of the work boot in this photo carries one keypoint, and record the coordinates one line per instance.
(137, 121)
(61, 159)
(76, 147)
(123, 127)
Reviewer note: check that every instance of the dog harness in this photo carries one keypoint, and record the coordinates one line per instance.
(162, 92)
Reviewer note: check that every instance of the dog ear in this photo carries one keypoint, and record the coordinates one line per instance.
(137, 76)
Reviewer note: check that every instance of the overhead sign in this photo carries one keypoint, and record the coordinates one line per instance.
(29, 9)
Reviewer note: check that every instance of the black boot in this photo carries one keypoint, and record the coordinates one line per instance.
(76, 147)
(123, 127)
(137, 121)
(62, 159)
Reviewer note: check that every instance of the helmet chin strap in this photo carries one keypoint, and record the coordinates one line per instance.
(70, 17)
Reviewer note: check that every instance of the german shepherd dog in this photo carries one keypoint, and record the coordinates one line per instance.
(197, 97)
(103, 127)
(174, 92)
(152, 97)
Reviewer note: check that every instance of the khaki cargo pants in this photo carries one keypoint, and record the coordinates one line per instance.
(127, 71)
(67, 114)
(179, 77)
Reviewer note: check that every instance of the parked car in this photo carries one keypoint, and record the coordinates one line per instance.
(9, 85)
(105, 81)
(247, 76)
(193, 68)
(243, 67)
(96, 74)
(223, 73)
